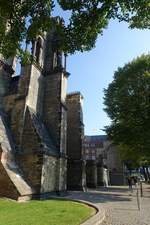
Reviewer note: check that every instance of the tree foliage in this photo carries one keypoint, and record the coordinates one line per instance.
(88, 18)
(131, 158)
(22, 20)
(127, 103)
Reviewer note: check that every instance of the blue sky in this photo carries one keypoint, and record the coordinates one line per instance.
(92, 71)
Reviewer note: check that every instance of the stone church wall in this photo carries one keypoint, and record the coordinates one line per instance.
(7, 188)
(53, 174)
(31, 165)
(49, 180)
(35, 92)
(52, 107)
(15, 111)
(63, 173)
(36, 117)
(75, 132)
(30, 158)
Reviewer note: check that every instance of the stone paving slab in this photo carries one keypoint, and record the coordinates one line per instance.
(127, 212)
(120, 208)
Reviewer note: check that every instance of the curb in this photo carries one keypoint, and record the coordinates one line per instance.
(96, 219)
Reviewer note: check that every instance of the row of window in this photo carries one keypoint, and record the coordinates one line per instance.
(91, 145)
(87, 157)
(87, 151)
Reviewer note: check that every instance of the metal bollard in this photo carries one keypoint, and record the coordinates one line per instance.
(141, 189)
(138, 199)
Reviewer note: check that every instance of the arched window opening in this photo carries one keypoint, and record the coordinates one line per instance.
(39, 46)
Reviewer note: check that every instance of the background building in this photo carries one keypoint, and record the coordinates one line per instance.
(100, 153)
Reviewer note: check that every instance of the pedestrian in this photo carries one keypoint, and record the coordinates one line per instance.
(129, 180)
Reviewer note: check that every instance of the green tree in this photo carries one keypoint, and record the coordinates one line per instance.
(127, 103)
(88, 18)
(134, 159)
(128, 156)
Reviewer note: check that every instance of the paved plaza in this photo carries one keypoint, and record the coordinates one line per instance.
(120, 207)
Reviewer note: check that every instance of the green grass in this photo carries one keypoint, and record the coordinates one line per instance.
(48, 212)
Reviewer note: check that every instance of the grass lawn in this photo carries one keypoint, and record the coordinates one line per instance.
(48, 212)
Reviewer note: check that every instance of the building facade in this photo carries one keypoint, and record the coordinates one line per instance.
(33, 122)
(102, 155)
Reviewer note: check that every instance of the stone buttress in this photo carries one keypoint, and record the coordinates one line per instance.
(76, 178)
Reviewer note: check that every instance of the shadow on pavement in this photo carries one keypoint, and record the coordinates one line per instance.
(98, 197)
(114, 189)
(125, 209)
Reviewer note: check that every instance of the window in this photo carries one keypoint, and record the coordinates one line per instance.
(38, 51)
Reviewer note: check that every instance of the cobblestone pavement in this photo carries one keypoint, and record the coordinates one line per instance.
(126, 212)
(120, 207)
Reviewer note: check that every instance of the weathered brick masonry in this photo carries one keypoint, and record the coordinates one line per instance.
(41, 130)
